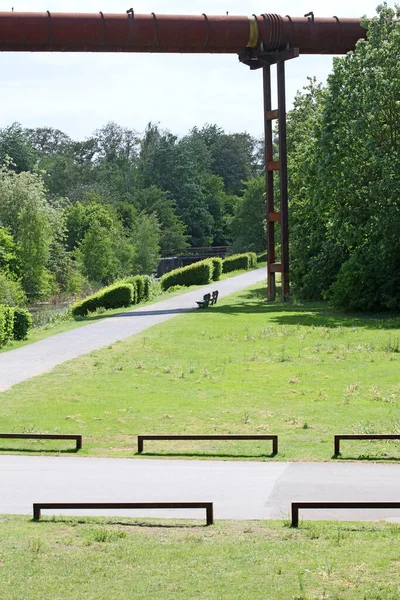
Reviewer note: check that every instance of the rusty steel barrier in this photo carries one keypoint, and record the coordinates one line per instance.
(39, 506)
(45, 436)
(274, 439)
(362, 436)
(297, 505)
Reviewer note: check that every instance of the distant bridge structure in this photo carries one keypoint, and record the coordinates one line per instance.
(174, 259)
(260, 41)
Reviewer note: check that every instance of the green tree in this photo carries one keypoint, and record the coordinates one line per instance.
(146, 240)
(14, 144)
(346, 188)
(249, 220)
(26, 212)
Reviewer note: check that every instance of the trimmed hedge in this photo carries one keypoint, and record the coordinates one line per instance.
(262, 257)
(253, 259)
(22, 323)
(147, 287)
(235, 262)
(114, 296)
(199, 273)
(217, 264)
(141, 287)
(6, 324)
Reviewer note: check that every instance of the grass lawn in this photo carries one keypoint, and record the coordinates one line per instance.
(100, 559)
(243, 366)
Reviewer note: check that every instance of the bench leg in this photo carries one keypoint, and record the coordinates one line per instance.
(210, 515)
(36, 513)
(139, 444)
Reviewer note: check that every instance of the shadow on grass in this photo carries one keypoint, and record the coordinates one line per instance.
(202, 455)
(101, 521)
(305, 314)
(39, 451)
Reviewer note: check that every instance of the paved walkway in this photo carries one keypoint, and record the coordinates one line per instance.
(239, 490)
(41, 357)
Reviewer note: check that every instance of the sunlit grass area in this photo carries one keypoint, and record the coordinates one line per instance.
(243, 366)
(99, 559)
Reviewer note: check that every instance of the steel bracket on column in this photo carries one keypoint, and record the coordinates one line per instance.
(256, 59)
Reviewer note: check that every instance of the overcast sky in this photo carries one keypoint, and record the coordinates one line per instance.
(78, 93)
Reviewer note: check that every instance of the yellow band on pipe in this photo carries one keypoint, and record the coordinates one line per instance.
(253, 38)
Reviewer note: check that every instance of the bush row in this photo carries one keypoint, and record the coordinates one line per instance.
(205, 271)
(128, 291)
(15, 323)
(248, 260)
(141, 287)
(199, 273)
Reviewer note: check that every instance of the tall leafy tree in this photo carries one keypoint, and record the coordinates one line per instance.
(347, 187)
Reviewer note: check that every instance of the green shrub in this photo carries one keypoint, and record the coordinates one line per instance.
(147, 290)
(199, 273)
(253, 259)
(11, 292)
(217, 264)
(115, 296)
(139, 285)
(235, 262)
(22, 323)
(262, 258)
(6, 324)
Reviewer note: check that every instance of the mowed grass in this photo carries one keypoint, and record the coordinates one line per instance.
(99, 559)
(243, 366)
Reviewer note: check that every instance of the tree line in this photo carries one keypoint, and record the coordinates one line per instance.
(75, 214)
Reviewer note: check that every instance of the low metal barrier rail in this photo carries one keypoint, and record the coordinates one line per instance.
(362, 436)
(38, 507)
(297, 505)
(274, 439)
(45, 436)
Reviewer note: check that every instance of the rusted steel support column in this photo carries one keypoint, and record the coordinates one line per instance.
(269, 181)
(283, 180)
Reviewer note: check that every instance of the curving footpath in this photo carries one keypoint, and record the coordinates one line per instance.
(41, 357)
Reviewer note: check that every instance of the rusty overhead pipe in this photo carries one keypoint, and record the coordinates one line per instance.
(204, 34)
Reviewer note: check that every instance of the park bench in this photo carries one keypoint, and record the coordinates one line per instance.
(208, 300)
(362, 436)
(274, 439)
(45, 436)
(39, 506)
(297, 505)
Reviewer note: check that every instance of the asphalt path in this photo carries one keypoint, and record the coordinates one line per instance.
(239, 490)
(41, 357)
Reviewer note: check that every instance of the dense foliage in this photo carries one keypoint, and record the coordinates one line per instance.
(22, 323)
(344, 162)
